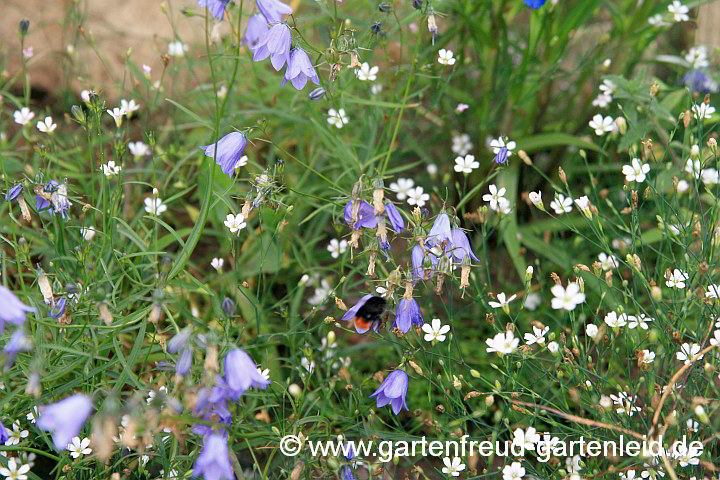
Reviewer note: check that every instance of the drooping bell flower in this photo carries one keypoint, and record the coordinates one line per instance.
(300, 70)
(440, 231)
(4, 435)
(257, 28)
(216, 7)
(276, 45)
(407, 314)
(15, 193)
(18, 343)
(58, 310)
(65, 419)
(365, 215)
(418, 258)
(273, 10)
(53, 194)
(13, 310)
(393, 391)
(241, 372)
(184, 362)
(211, 407)
(461, 246)
(213, 463)
(502, 155)
(230, 149)
(396, 219)
(535, 3)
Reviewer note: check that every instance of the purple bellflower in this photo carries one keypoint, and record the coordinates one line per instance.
(14, 192)
(65, 418)
(213, 463)
(58, 310)
(13, 310)
(352, 313)
(396, 219)
(440, 231)
(418, 259)
(58, 199)
(697, 81)
(241, 372)
(393, 391)
(3, 434)
(407, 314)
(18, 343)
(366, 217)
(502, 155)
(212, 407)
(276, 45)
(462, 247)
(184, 362)
(216, 7)
(179, 341)
(257, 28)
(346, 473)
(535, 3)
(300, 70)
(230, 150)
(273, 10)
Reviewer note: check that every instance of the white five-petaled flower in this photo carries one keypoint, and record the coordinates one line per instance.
(235, 222)
(366, 73)
(566, 298)
(658, 20)
(337, 247)
(500, 142)
(640, 320)
(607, 87)
(602, 125)
(561, 204)
(445, 57)
(435, 331)
(13, 471)
(514, 471)
(461, 144)
(697, 57)
(536, 199)
(677, 279)
(625, 403)
(466, 165)
(713, 291)
(602, 100)
(15, 435)
(155, 206)
(607, 262)
(217, 264)
(591, 330)
(687, 352)
(337, 117)
(636, 171)
(453, 467)
(613, 320)
(496, 198)
(648, 356)
(265, 373)
(242, 162)
(583, 203)
(703, 110)
(526, 438)
(504, 342)
(47, 125)
(678, 11)
(78, 447)
(553, 347)
(129, 107)
(416, 196)
(461, 107)
(402, 187)
(376, 88)
(502, 302)
(177, 49)
(138, 149)
(23, 116)
(538, 335)
(110, 169)
(693, 167)
(88, 234)
(117, 114)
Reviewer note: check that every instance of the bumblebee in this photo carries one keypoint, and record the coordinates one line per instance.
(369, 315)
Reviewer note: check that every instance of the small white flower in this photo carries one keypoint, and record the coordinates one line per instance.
(217, 264)
(32, 415)
(625, 403)
(536, 198)
(117, 114)
(713, 291)
(28, 53)
(13, 472)
(461, 107)
(697, 57)
(710, 176)
(602, 125)
(337, 117)
(177, 49)
(591, 330)
(466, 165)
(454, 467)
(235, 222)
(561, 204)
(526, 438)
(500, 142)
(687, 352)
(502, 343)
(678, 11)
(636, 171)
(366, 73)
(436, 331)
(502, 302)
(47, 125)
(613, 320)
(683, 186)
(607, 87)
(265, 373)
(514, 471)
(658, 21)
(129, 107)
(532, 301)
(607, 262)
(639, 321)
(445, 57)
(376, 88)
(693, 167)
(15, 435)
(538, 335)
(222, 92)
(337, 248)
(648, 356)
(402, 187)
(602, 100)
(23, 116)
(138, 149)
(566, 298)
(496, 198)
(78, 447)
(553, 347)
(677, 279)
(716, 338)
(461, 144)
(147, 70)
(155, 206)
(88, 233)
(583, 203)
(417, 197)
(702, 111)
(242, 162)
(110, 169)
(308, 365)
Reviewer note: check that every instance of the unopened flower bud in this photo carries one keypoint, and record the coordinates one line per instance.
(417, 4)
(712, 144)
(24, 26)
(317, 94)
(432, 26)
(621, 125)
(561, 174)
(228, 307)
(529, 273)
(385, 7)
